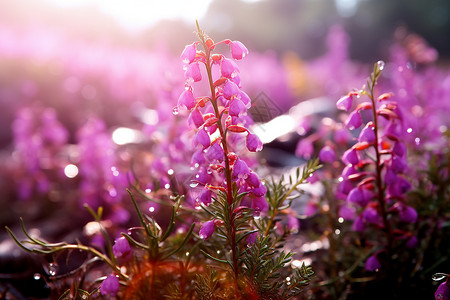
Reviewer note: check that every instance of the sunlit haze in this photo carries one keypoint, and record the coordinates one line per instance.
(135, 15)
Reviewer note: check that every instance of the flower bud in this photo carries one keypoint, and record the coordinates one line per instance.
(188, 54)
(207, 229)
(238, 50)
(253, 143)
(110, 286)
(372, 264)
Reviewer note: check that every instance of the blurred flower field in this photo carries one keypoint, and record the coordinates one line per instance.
(221, 172)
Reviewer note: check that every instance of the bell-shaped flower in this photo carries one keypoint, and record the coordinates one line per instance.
(207, 229)
(371, 215)
(238, 50)
(110, 286)
(407, 214)
(253, 143)
(205, 196)
(186, 99)
(260, 204)
(412, 242)
(237, 108)
(253, 180)
(360, 196)
(345, 102)
(372, 263)
(228, 68)
(259, 191)
(198, 158)
(121, 247)
(193, 73)
(342, 136)
(443, 291)
(354, 120)
(230, 90)
(350, 157)
(367, 134)
(202, 138)
(327, 154)
(398, 164)
(348, 170)
(215, 153)
(251, 238)
(240, 170)
(304, 148)
(196, 118)
(359, 224)
(399, 149)
(347, 212)
(188, 54)
(399, 187)
(246, 99)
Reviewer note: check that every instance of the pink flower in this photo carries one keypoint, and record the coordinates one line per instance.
(240, 170)
(327, 154)
(353, 121)
(237, 108)
(408, 214)
(251, 238)
(304, 148)
(442, 292)
(186, 99)
(350, 157)
(238, 50)
(228, 68)
(253, 180)
(260, 204)
(372, 264)
(253, 143)
(196, 118)
(345, 103)
(121, 247)
(230, 90)
(360, 196)
(205, 196)
(188, 54)
(215, 152)
(202, 138)
(110, 286)
(207, 229)
(367, 134)
(193, 73)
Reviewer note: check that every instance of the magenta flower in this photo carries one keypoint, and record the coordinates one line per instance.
(202, 138)
(442, 292)
(412, 242)
(260, 204)
(246, 99)
(345, 102)
(371, 215)
(205, 196)
(238, 50)
(193, 73)
(360, 196)
(347, 212)
(304, 148)
(251, 238)
(240, 170)
(215, 152)
(408, 214)
(350, 157)
(372, 264)
(237, 108)
(186, 99)
(230, 90)
(188, 54)
(327, 154)
(110, 286)
(253, 180)
(353, 121)
(253, 143)
(367, 134)
(228, 68)
(121, 247)
(358, 224)
(196, 118)
(207, 229)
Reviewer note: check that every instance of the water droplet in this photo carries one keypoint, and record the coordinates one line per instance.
(193, 184)
(203, 236)
(84, 297)
(37, 276)
(439, 276)
(52, 269)
(380, 64)
(175, 111)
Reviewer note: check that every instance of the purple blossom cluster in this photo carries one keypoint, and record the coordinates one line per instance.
(220, 120)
